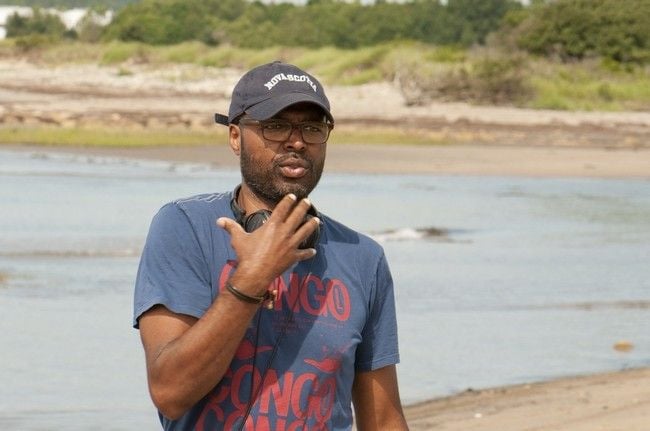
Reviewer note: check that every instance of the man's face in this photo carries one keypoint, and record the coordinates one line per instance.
(273, 169)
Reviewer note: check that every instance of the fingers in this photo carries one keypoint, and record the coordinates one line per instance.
(229, 225)
(296, 217)
(296, 224)
(306, 230)
(304, 254)
(283, 208)
(285, 228)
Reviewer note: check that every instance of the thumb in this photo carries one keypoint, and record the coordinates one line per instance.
(229, 225)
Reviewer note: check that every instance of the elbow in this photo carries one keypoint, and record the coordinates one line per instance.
(170, 404)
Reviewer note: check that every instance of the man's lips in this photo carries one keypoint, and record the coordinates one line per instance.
(294, 168)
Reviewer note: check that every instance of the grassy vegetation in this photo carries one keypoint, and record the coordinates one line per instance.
(104, 137)
(589, 86)
(135, 138)
(584, 85)
(385, 136)
(348, 67)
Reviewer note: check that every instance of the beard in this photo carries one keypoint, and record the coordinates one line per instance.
(267, 182)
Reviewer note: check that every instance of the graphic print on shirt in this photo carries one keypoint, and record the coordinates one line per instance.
(291, 397)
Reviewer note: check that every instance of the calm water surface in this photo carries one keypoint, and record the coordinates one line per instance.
(533, 278)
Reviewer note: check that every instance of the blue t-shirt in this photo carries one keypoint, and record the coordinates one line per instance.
(343, 319)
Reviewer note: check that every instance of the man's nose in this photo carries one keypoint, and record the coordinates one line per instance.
(295, 140)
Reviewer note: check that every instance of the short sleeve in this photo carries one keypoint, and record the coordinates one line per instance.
(173, 270)
(379, 345)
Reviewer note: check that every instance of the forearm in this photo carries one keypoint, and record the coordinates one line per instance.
(376, 401)
(394, 422)
(184, 370)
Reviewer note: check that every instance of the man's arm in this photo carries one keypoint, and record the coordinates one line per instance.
(376, 401)
(187, 357)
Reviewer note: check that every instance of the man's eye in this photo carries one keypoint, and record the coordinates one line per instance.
(275, 126)
(310, 127)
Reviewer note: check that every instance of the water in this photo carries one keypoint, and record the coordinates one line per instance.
(532, 279)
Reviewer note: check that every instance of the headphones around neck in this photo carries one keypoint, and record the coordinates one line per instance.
(255, 220)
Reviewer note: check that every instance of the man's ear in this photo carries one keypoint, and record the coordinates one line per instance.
(234, 138)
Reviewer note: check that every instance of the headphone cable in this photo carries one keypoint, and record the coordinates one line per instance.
(256, 393)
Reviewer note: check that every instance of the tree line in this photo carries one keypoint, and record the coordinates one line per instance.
(69, 4)
(316, 24)
(565, 29)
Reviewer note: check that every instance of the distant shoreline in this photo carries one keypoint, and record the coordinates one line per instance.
(413, 159)
(372, 134)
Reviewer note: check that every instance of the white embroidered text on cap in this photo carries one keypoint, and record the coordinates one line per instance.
(295, 78)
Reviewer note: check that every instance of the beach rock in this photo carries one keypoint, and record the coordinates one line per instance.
(623, 346)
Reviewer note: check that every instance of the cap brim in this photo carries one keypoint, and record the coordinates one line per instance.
(221, 119)
(268, 108)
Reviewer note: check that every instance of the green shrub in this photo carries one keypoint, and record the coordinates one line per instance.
(38, 29)
(494, 79)
(40, 23)
(500, 80)
(577, 29)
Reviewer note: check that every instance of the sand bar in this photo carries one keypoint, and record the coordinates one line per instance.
(405, 159)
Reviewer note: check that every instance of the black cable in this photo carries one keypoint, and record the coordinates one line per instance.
(255, 394)
(257, 341)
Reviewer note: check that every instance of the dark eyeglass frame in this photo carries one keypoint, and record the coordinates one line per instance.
(266, 130)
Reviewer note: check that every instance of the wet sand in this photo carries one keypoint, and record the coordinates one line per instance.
(405, 159)
(608, 402)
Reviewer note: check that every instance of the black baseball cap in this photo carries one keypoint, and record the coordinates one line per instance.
(268, 89)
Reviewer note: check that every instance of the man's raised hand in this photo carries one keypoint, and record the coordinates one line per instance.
(271, 249)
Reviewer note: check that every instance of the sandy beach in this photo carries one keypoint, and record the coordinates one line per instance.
(481, 141)
(404, 159)
(478, 140)
(608, 402)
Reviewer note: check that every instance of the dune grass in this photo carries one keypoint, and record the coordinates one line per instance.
(135, 138)
(585, 85)
(332, 65)
(104, 137)
(590, 87)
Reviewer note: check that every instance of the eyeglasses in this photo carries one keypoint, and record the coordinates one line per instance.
(312, 132)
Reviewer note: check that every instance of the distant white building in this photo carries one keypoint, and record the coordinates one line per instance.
(70, 18)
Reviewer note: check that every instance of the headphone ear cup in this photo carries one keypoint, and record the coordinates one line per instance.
(256, 220)
(236, 210)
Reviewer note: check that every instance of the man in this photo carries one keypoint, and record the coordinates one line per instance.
(256, 311)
